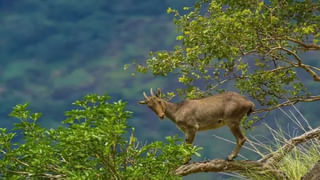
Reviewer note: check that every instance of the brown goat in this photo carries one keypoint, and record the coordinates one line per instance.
(211, 112)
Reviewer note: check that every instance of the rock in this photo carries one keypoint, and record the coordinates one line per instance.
(314, 173)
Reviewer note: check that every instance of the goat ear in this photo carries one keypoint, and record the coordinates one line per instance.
(158, 92)
(142, 102)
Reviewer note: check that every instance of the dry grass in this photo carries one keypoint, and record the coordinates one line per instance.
(296, 163)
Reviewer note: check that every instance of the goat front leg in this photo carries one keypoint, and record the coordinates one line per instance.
(240, 138)
(190, 135)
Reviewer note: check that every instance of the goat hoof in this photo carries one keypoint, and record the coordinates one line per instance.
(186, 161)
(230, 158)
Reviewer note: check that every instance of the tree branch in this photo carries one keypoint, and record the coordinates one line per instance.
(306, 46)
(289, 102)
(52, 176)
(244, 167)
(277, 156)
(307, 68)
(266, 166)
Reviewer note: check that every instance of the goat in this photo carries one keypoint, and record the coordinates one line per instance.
(190, 116)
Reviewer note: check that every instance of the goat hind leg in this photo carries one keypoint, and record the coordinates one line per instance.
(240, 138)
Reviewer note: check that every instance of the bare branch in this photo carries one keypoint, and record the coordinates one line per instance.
(217, 165)
(305, 46)
(52, 176)
(299, 64)
(21, 172)
(220, 83)
(307, 68)
(290, 102)
(315, 68)
(244, 167)
(277, 156)
(292, 53)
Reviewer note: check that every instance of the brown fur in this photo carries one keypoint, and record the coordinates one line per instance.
(225, 109)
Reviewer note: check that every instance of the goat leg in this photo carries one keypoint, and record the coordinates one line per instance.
(240, 138)
(190, 135)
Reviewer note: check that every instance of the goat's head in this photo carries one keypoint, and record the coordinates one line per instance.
(155, 103)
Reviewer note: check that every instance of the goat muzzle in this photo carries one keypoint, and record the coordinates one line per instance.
(161, 116)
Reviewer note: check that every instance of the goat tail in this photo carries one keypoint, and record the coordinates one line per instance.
(252, 109)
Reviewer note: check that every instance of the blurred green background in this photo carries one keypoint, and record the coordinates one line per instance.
(54, 52)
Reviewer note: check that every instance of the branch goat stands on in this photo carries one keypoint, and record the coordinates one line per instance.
(225, 109)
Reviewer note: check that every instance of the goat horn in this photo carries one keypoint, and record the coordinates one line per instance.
(151, 92)
(145, 95)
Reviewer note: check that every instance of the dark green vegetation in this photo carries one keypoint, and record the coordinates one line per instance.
(94, 145)
(53, 52)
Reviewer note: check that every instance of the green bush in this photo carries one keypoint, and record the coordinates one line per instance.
(94, 143)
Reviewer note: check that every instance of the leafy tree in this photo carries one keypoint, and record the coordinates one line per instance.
(259, 45)
(94, 144)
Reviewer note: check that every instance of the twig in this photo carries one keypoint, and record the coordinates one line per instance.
(16, 159)
(52, 176)
(108, 165)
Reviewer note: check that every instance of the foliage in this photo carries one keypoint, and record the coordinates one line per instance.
(94, 144)
(256, 44)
